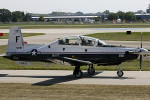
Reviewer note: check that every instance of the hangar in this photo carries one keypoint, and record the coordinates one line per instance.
(143, 16)
(68, 19)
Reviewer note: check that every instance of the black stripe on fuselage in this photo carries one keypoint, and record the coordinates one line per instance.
(109, 59)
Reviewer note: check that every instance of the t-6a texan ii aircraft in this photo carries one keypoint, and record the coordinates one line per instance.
(75, 50)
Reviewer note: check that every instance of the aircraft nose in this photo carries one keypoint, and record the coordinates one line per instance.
(143, 51)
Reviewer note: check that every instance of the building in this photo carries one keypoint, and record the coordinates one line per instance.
(148, 10)
(67, 19)
(142, 16)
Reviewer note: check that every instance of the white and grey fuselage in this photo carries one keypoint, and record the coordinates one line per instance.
(73, 49)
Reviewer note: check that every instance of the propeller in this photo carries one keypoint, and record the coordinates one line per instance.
(141, 57)
(141, 60)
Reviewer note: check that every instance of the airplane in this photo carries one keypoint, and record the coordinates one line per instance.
(75, 50)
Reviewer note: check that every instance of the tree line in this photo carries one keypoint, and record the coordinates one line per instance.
(16, 16)
(128, 16)
(19, 16)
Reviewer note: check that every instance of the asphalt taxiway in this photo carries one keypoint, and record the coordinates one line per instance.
(50, 77)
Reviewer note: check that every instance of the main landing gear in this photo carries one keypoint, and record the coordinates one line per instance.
(91, 70)
(120, 72)
(78, 73)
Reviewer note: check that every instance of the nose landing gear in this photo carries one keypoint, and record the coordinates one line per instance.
(120, 72)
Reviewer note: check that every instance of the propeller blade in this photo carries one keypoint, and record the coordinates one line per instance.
(141, 40)
(141, 57)
(148, 54)
(141, 60)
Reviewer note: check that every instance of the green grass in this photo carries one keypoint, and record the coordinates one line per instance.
(9, 64)
(49, 25)
(24, 35)
(3, 49)
(122, 36)
(73, 92)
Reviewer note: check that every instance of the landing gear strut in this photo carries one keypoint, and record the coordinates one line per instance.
(77, 72)
(91, 70)
(120, 72)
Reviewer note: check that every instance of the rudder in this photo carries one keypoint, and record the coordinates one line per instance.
(15, 41)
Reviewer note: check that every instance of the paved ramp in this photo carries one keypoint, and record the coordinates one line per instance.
(50, 77)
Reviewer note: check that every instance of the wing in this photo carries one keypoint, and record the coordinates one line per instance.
(73, 61)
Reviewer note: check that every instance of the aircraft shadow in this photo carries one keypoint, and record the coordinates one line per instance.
(61, 79)
(3, 75)
(53, 79)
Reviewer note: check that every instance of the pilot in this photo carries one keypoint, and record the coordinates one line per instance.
(90, 42)
(67, 41)
(84, 42)
(61, 42)
(99, 44)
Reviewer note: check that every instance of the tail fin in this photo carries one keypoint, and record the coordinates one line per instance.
(15, 41)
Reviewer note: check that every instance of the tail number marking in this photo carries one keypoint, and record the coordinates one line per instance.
(18, 47)
(17, 38)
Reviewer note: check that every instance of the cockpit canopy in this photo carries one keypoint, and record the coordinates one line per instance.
(81, 40)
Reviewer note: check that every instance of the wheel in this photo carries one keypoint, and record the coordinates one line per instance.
(120, 73)
(91, 71)
(78, 74)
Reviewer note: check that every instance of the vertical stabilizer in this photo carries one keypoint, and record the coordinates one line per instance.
(15, 41)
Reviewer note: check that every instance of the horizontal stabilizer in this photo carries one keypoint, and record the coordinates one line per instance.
(3, 55)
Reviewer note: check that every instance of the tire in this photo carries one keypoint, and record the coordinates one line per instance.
(78, 74)
(91, 71)
(120, 73)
